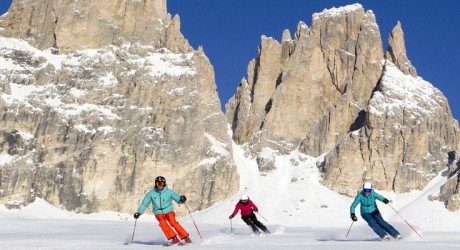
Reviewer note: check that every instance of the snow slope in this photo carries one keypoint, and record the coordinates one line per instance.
(300, 213)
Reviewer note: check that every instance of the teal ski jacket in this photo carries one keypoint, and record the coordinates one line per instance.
(368, 204)
(161, 200)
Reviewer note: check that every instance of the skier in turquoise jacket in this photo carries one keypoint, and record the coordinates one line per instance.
(370, 212)
(161, 198)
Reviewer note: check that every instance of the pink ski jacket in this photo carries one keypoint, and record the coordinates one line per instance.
(246, 208)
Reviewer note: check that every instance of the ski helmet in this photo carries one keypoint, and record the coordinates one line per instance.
(160, 179)
(367, 187)
(244, 198)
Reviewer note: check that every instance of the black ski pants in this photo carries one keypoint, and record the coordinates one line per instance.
(252, 221)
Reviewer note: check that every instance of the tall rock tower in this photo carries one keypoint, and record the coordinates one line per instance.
(331, 92)
(97, 98)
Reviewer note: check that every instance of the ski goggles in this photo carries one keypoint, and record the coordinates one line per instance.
(159, 183)
(367, 190)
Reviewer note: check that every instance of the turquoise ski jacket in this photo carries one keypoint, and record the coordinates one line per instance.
(368, 204)
(161, 201)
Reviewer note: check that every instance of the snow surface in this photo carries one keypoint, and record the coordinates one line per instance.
(400, 91)
(335, 12)
(300, 213)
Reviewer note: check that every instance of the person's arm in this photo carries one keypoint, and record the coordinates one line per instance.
(254, 207)
(381, 198)
(237, 208)
(353, 207)
(354, 204)
(145, 203)
(175, 196)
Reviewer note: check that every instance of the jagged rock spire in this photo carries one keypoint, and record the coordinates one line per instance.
(396, 52)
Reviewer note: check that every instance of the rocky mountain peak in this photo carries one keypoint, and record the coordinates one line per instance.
(396, 52)
(70, 25)
(119, 99)
(330, 93)
(321, 67)
(337, 12)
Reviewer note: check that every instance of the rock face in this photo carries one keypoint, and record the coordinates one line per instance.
(90, 129)
(331, 92)
(324, 77)
(406, 140)
(450, 193)
(72, 25)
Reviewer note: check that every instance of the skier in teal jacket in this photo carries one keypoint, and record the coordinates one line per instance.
(370, 212)
(161, 198)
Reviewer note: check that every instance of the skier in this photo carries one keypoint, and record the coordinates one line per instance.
(161, 198)
(370, 213)
(248, 208)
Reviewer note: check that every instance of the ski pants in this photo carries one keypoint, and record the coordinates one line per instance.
(170, 218)
(379, 225)
(252, 221)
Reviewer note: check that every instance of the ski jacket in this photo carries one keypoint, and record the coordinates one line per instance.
(246, 208)
(161, 200)
(368, 204)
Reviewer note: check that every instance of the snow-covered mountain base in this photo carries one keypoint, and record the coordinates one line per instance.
(300, 213)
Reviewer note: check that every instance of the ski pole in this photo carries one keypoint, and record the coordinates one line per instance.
(405, 221)
(261, 216)
(132, 238)
(193, 221)
(231, 226)
(346, 236)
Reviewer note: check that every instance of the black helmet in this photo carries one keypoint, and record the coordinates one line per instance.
(160, 179)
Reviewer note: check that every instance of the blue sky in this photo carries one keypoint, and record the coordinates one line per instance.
(230, 32)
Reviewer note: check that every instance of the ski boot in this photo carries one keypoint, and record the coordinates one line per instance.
(386, 237)
(175, 241)
(187, 240)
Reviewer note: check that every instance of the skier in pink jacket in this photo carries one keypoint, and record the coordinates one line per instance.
(248, 208)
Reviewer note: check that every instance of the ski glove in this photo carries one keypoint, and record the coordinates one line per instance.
(353, 217)
(231, 216)
(136, 215)
(255, 210)
(386, 201)
(183, 198)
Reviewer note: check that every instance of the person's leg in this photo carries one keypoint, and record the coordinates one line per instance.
(373, 224)
(167, 230)
(248, 221)
(259, 224)
(171, 218)
(387, 227)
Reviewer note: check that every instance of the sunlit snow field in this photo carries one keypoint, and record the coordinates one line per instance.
(301, 214)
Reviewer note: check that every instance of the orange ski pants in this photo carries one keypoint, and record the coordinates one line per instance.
(170, 218)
